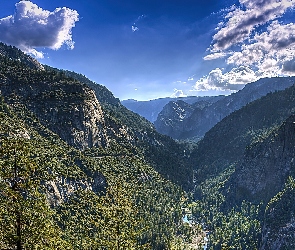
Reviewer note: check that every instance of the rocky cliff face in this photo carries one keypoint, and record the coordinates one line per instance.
(201, 120)
(266, 166)
(61, 189)
(65, 106)
(172, 119)
(177, 111)
(266, 173)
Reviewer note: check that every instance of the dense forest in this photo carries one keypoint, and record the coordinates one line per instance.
(58, 195)
(80, 171)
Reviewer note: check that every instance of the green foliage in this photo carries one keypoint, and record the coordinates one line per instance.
(157, 201)
(102, 93)
(283, 206)
(237, 228)
(139, 210)
(279, 218)
(106, 222)
(222, 146)
(26, 219)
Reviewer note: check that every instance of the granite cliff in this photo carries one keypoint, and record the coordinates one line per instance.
(202, 119)
(151, 109)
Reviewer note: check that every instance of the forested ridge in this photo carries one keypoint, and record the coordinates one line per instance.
(80, 171)
(55, 195)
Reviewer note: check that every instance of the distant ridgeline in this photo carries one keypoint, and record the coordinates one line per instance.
(189, 118)
(151, 109)
(78, 170)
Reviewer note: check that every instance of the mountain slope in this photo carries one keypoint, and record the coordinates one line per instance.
(247, 168)
(266, 173)
(201, 120)
(266, 165)
(14, 54)
(79, 163)
(64, 105)
(162, 152)
(222, 146)
(279, 227)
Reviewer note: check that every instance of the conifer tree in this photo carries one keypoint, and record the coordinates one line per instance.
(26, 218)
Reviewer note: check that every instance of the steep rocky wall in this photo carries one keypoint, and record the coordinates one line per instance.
(68, 108)
(266, 165)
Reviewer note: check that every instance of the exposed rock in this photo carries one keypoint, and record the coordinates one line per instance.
(278, 230)
(69, 109)
(201, 120)
(177, 111)
(61, 189)
(263, 172)
(267, 167)
(151, 109)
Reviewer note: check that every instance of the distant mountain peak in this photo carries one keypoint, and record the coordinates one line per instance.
(200, 120)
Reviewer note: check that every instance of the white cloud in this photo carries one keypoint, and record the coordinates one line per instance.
(134, 28)
(31, 27)
(269, 52)
(178, 93)
(241, 22)
(250, 52)
(215, 56)
(233, 80)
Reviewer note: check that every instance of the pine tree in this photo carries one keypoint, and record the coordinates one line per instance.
(26, 218)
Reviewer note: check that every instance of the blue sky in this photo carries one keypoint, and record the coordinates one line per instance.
(146, 49)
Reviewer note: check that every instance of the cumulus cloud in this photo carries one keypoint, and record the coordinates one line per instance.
(233, 80)
(270, 52)
(215, 56)
(251, 51)
(242, 21)
(178, 93)
(31, 27)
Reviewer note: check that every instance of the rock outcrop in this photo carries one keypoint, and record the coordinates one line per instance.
(151, 109)
(201, 120)
(266, 166)
(66, 107)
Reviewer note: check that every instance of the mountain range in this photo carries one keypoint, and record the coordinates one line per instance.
(78, 170)
(151, 109)
(181, 119)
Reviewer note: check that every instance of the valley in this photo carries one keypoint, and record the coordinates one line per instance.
(78, 170)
